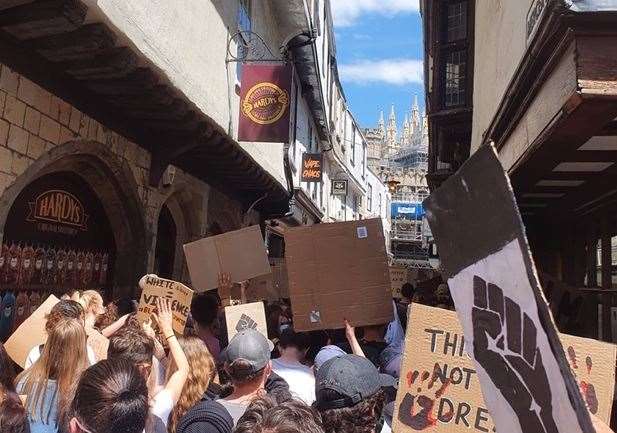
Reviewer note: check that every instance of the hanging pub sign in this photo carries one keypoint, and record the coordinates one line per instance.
(311, 167)
(264, 103)
(339, 187)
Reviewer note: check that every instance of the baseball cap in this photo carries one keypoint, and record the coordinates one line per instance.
(353, 377)
(251, 346)
(326, 353)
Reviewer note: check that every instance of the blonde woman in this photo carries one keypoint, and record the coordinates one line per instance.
(202, 372)
(49, 383)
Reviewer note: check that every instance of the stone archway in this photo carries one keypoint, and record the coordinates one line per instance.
(111, 178)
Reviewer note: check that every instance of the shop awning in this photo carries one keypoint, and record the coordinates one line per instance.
(50, 43)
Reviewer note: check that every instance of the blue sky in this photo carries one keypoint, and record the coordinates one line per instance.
(379, 50)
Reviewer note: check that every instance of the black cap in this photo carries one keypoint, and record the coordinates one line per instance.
(251, 346)
(353, 377)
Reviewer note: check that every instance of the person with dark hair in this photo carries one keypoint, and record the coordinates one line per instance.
(264, 415)
(292, 347)
(7, 372)
(407, 292)
(134, 345)
(13, 417)
(350, 395)
(204, 312)
(247, 362)
(111, 397)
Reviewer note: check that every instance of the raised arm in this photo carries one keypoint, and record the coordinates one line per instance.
(350, 333)
(113, 328)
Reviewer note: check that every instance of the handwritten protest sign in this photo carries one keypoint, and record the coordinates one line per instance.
(180, 296)
(246, 316)
(30, 333)
(240, 253)
(485, 257)
(440, 390)
(398, 277)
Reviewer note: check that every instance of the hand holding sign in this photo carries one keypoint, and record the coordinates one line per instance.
(511, 357)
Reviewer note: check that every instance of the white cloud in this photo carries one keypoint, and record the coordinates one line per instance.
(347, 11)
(397, 72)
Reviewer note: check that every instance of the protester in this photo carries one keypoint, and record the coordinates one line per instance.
(204, 311)
(202, 370)
(292, 347)
(13, 417)
(92, 302)
(111, 397)
(350, 395)
(7, 372)
(49, 383)
(247, 362)
(133, 344)
(407, 292)
(65, 309)
(264, 415)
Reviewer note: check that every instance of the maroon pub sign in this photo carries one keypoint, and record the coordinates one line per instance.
(264, 103)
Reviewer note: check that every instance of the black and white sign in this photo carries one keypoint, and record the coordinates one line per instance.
(509, 332)
(339, 187)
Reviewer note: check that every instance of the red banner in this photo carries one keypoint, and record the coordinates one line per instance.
(264, 103)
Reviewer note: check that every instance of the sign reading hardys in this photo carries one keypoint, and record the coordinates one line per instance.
(264, 104)
(523, 371)
(311, 167)
(440, 391)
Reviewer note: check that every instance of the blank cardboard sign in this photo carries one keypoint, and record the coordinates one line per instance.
(180, 296)
(241, 253)
(440, 391)
(30, 333)
(246, 316)
(338, 271)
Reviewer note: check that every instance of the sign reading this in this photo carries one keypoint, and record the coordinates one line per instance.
(339, 187)
(311, 167)
(264, 106)
(178, 294)
(484, 255)
(439, 390)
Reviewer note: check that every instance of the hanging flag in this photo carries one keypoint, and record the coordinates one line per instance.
(264, 103)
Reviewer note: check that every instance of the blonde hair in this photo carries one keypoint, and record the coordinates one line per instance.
(63, 359)
(201, 372)
(92, 302)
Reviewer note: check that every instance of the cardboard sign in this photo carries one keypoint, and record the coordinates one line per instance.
(439, 390)
(30, 333)
(338, 271)
(180, 296)
(312, 164)
(485, 257)
(265, 101)
(398, 277)
(246, 316)
(280, 279)
(241, 253)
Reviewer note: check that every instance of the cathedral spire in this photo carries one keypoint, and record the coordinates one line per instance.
(415, 116)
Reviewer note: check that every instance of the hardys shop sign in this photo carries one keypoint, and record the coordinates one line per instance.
(60, 207)
(264, 104)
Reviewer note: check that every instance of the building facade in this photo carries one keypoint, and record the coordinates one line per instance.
(545, 95)
(119, 136)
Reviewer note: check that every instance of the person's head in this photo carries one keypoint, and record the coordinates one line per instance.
(202, 371)
(407, 291)
(349, 395)
(63, 358)
(65, 309)
(92, 302)
(126, 306)
(7, 372)
(327, 353)
(264, 415)
(107, 318)
(293, 344)
(13, 417)
(111, 397)
(133, 344)
(204, 310)
(247, 360)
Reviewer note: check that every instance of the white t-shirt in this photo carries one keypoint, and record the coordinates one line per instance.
(299, 378)
(35, 354)
(160, 408)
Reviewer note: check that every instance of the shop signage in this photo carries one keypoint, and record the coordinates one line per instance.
(312, 167)
(533, 16)
(265, 101)
(59, 207)
(339, 187)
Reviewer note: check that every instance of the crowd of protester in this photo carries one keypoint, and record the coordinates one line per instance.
(102, 371)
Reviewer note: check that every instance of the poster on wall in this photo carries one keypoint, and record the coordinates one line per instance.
(523, 371)
(264, 103)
